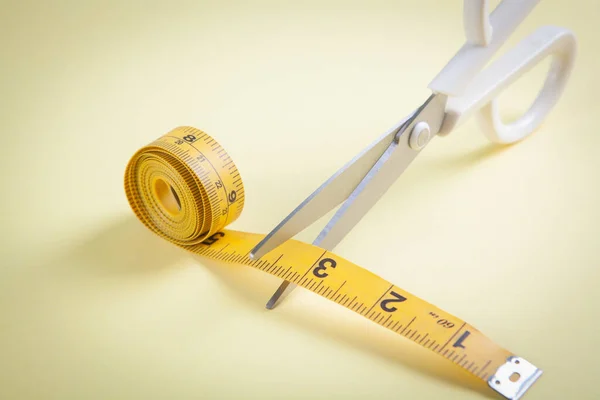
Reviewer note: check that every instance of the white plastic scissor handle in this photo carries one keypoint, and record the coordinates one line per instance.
(470, 89)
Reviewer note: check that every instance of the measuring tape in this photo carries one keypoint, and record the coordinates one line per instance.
(186, 188)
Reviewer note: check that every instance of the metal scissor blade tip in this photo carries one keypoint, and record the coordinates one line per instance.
(282, 291)
(257, 253)
(259, 250)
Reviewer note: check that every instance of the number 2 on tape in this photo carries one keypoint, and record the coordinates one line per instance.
(186, 188)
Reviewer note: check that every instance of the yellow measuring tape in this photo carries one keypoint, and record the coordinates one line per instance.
(186, 188)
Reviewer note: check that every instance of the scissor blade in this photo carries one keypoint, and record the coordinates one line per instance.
(329, 195)
(388, 167)
(334, 232)
(382, 175)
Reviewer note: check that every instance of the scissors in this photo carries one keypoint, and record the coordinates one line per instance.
(461, 89)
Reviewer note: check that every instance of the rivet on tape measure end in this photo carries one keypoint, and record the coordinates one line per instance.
(513, 378)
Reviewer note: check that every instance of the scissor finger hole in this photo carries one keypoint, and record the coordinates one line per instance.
(517, 99)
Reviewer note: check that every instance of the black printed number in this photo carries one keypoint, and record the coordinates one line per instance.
(212, 239)
(189, 138)
(323, 265)
(219, 184)
(460, 341)
(232, 196)
(445, 323)
(397, 299)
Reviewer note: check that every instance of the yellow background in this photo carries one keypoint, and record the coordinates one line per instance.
(93, 306)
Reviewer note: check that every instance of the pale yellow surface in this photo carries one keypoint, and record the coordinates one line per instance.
(93, 306)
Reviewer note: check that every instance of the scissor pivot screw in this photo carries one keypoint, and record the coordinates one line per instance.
(419, 136)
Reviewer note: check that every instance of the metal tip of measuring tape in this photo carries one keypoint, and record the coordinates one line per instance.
(513, 378)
